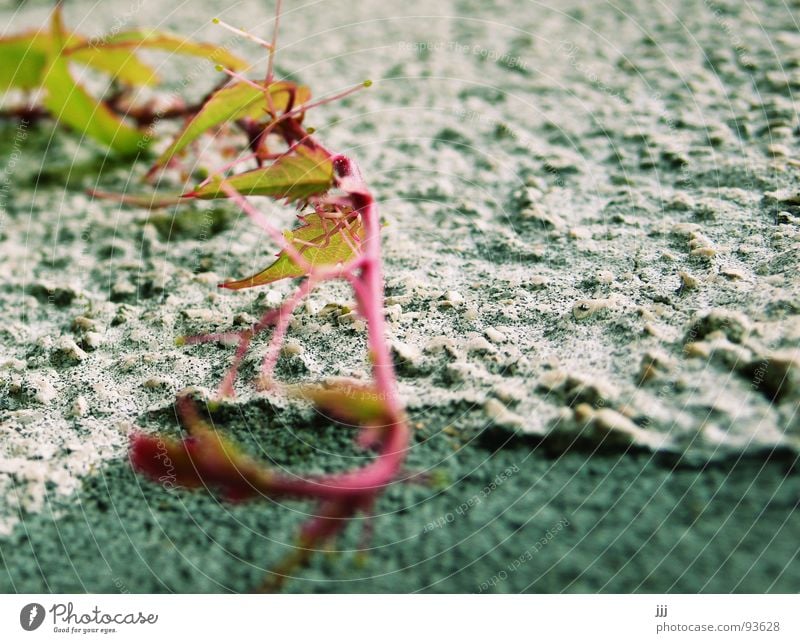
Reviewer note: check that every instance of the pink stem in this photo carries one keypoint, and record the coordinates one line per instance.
(226, 388)
(284, 317)
(274, 43)
(225, 168)
(265, 225)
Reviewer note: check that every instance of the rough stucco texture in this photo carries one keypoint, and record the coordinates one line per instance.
(592, 249)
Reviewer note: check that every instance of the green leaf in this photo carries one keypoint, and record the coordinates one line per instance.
(72, 105)
(347, 401)
(231, 103)
(22, 61)
(173, 43)
(119, 64)
(206, 459)
(330, 249)
(23, 58)
(296, 176)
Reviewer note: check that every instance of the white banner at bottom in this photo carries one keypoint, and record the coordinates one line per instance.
(398, 618)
